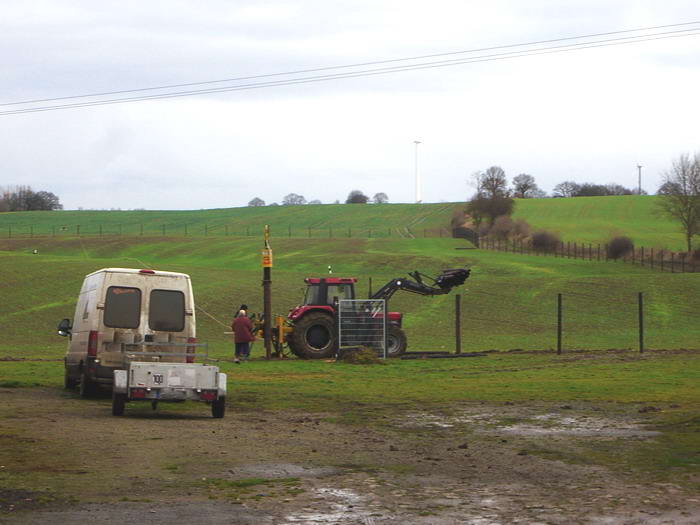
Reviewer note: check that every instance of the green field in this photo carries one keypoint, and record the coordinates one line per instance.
(583, 219)
(597, 219)
(509, 311)
(508, 303)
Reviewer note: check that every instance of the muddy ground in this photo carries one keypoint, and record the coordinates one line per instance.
(67, 460)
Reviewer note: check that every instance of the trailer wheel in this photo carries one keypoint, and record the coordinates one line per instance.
(118, 403)
(218, 407)
(314, 337)
(69, 382)
(396, 341)
(87, 387)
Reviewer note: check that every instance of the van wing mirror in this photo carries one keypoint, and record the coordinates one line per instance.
(65, 327)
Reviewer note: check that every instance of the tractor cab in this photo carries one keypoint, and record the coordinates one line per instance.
(328, 291)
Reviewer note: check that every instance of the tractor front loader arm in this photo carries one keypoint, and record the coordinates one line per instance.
(442, 284)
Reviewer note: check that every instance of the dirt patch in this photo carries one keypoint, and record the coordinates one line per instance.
(472, 464)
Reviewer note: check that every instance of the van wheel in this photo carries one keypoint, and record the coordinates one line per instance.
(69, 383)
(87, 387)
(118, 403)
(218, 407)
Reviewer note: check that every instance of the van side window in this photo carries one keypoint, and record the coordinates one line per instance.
(167, 311)
(122, 307)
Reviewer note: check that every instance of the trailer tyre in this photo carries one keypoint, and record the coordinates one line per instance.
(314, 337)
(396, 341)
(87, 387)
(218, 407)
(118, 404)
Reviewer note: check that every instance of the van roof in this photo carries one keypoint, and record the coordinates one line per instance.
(138, 271)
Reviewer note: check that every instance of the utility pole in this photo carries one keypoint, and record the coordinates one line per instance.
(639, 185)
(267, 294)
(418, 195)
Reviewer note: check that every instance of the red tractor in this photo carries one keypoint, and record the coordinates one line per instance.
(311, 330)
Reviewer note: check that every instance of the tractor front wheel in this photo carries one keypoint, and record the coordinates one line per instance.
(314, 336)
(396, 341)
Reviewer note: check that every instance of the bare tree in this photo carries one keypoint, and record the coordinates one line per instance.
(524, 186)
(491, 199)
(680, 195)
(568, 188)
(493, 183)
(292, 199)
(380, 198)
(255, 202)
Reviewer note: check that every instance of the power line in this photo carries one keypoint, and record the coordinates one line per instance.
(346, 66)
(361, 73)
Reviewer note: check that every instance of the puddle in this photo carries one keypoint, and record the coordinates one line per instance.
(433, 420)
(547, 424)
(541, 424)
(341, 506)
(280, 470)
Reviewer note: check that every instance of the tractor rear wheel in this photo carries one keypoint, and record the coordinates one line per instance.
(396, 341)
(314, 336)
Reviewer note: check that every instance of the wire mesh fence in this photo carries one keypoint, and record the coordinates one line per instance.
(362, 322)
(151, 229)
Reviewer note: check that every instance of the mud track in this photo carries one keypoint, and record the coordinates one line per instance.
(67, 460)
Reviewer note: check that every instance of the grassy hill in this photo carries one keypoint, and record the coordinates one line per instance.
(337, 220)
(584, 219)
(508, 303)
(597, 219)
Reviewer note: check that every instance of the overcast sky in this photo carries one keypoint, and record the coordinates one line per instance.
(588, 115)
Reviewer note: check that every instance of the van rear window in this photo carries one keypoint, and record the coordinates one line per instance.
(167, 311)
(122, 307)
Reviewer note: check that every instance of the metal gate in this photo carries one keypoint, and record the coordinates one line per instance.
(362, 322)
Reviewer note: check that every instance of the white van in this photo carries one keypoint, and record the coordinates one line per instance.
(124, 311)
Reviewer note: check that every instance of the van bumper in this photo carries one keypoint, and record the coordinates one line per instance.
(98, 373)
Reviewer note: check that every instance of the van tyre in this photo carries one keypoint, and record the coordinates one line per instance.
(314, 337)
(218, 407)
(69, 382)
(118, 404)
(396, 341)
(87, 387)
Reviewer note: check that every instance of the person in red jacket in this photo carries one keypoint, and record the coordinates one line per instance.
(243, 335)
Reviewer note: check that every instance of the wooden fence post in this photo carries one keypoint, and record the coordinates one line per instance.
(458, 324)
(559, 315)
(641, 322)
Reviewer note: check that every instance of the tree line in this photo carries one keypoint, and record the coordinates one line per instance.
(23, 198)
(294, 199)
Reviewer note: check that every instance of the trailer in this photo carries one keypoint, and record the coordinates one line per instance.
(168, 382)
